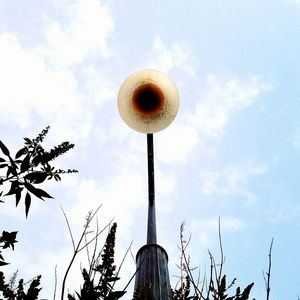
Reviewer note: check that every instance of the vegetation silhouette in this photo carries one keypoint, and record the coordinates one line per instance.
(31, 166)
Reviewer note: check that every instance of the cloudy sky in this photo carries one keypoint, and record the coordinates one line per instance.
(232, 152)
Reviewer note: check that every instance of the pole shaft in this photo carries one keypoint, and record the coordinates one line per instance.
(151, 231)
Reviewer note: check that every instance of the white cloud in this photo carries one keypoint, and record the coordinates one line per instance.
(30, 88)
(41, 82)
(120, 195)
(206, 232)
(200, 130)
(223, 97)
(231, 181)
(84, 31)
(177, 143)
(283, 211)
(200, 125)
(177, 56)
(297, 2)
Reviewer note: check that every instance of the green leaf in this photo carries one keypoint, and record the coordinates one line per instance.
(247, 290)
(8, 171)
(4, 149)
(37, 192)
(36, 177)
(116, 295)
(223, 283)
(27, 203)
(57, 177)
(21, 152)
(3, 166)
(18, 196)
(37, 159)
(14, 188)
(9, 239)
(25, 163)
(2, 159)
(43, 194)
(112, 279)
(3, 263)
(13, 167)
(27, 141)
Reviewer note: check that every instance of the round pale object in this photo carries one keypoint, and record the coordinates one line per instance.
(148, 101)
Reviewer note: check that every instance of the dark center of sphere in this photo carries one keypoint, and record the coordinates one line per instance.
(148, 98)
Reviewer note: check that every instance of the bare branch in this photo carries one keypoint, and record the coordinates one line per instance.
(221, 252)
(55, 282)
(77, 249)
(95, 249)
(267, 280)
(69, 228)
(122, 262)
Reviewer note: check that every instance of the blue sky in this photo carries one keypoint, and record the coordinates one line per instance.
(232, 152)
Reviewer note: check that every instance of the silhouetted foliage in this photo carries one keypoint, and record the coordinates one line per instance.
(25, 172)
(30, 167)
(102, 288)
(212, 287)
(12, 292)
(7, 240)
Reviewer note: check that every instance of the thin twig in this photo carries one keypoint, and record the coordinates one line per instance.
(77, 248)
(132, 256)
(122, 262)
(88, 252)
(267, 281)
(188, 269)
(69, 228)
(55, 282)
(137, 269)
(96, 236)
(211, 282)
(221, 252)
(203, 284)
(95, 249)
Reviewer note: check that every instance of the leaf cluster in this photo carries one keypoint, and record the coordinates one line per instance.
(10, 292)
(24, 172)
(220, 291)
(104, 271)
(7, 240)
(30, 167)
(183, 291)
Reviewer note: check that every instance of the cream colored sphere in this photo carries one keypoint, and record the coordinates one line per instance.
(148, 101)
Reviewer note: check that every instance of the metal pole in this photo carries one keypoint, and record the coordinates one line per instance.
(152, 278)
(151, 231)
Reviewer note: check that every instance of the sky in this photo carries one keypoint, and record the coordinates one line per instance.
(231, 153)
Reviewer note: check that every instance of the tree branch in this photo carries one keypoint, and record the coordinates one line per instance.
(267, 280)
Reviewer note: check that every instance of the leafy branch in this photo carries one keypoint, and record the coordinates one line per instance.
(7, 240)
(30, 167)
(24, 172)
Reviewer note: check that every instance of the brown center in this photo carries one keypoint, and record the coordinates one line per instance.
(148, 98)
